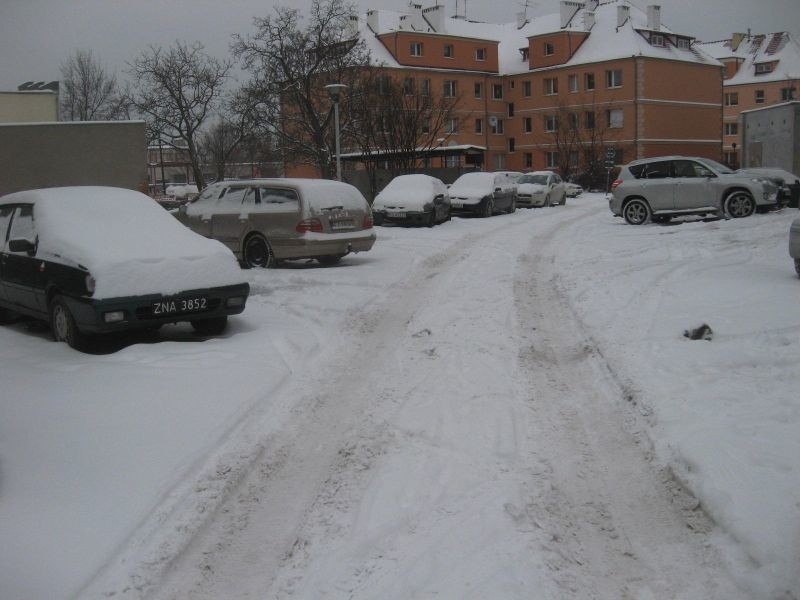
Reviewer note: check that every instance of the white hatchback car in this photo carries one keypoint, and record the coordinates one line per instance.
(414, 199)
(541, 188)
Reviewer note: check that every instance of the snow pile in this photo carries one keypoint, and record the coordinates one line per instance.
(129, 244)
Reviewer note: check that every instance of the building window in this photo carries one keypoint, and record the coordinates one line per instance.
(551, 159)
(478, 125)
(448, 51)
(527, 160)
(614, 78)
(478, 90)
(574, 158)
(759, 96)
(499, 162)
(762, 68)
(526, 53)
(408, 86)
(551, 86)
(426, 87)
(729, 158)
(787, 94)
(732, 99)
(426, 126)
(480, 54)
(574, 120)
(450, 88)
(572, 82)
(615, 118)
(497, 91)
(683, 44)
(510, 109)
(451, 126)
(526, 89)
(731, 129)
(512, 143)
(527, 125)
(588, 81)
(656, 39)
(550, 123)
(549, 49)
(497, 126)
(416, 48)
(588, 119)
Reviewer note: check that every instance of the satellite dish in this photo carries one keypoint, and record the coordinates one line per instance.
(492, 120)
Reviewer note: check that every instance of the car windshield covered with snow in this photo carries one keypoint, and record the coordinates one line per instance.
(533, 178)
(266, 221)
(99, 259)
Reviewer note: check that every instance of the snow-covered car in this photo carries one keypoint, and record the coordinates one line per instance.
(573, 189)
(412, 199)
(92, 260)
(541, 188)
(783, 179)
(794, 244)
(663, 187)
(484, 194)
(265, 221)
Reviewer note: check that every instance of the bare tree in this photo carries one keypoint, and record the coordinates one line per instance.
(88, 92)
(178, 90)
(221, 142)
(290, 65)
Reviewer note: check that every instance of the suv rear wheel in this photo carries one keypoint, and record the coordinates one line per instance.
(740, 204)
(636, 212)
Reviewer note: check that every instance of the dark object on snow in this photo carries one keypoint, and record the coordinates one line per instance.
(700, 333)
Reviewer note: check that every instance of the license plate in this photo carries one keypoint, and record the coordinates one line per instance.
(179, 305)
(341, 224)
(457, 205)
(396, 215)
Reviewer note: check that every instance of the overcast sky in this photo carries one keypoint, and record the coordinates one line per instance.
(36, 36)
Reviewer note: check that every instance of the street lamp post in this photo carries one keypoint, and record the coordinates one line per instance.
(335, 90)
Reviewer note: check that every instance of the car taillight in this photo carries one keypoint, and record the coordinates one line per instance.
(309, 225)
(368, 221)
(616, 184)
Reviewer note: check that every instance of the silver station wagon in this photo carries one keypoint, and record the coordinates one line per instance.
(265, 221)
(660, 188)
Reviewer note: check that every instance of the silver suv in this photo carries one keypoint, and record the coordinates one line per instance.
(667, 186)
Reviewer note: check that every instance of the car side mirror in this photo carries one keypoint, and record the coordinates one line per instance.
(21, 245)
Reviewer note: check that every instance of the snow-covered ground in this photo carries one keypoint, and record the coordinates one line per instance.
(486, 409)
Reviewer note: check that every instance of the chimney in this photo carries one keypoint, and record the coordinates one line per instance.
(588, 20)
(434, 15)
(568, 10)
(522, 20)
(737, 39)
(351, 27)
(373, 20)
(416, 20)
(654, 17)
(623, 13)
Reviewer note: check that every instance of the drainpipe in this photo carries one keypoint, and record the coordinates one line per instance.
(485, 120)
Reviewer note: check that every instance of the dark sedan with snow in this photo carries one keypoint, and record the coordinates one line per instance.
(94, 260)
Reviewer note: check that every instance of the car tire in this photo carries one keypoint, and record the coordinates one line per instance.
(739, 204)
(377, 219)
(257, 252)
(62, 324)
(488, 209)
(214, 326)
(546, 200)
(328, 261)
(797, 266)
(636, 212)
(513, 208)
(7, 316)
(431, 220)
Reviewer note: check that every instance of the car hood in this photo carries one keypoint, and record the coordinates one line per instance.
(129, 244)
(409, 199)
(531, 188)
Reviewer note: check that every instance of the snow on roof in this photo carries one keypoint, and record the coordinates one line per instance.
(753, 50)
(605, 42)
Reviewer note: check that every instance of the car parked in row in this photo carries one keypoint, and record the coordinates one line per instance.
(668, 186)
(265, 221)
(92, 260)
(541, 188)
(794, 244)
(573, 189)
(412, 200)
(483, 193)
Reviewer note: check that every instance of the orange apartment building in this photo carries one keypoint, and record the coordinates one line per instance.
(613, 70)
(759, 70)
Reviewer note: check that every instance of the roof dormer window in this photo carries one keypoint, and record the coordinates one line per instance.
(656, 39)
(683, 44)
(762, 68)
